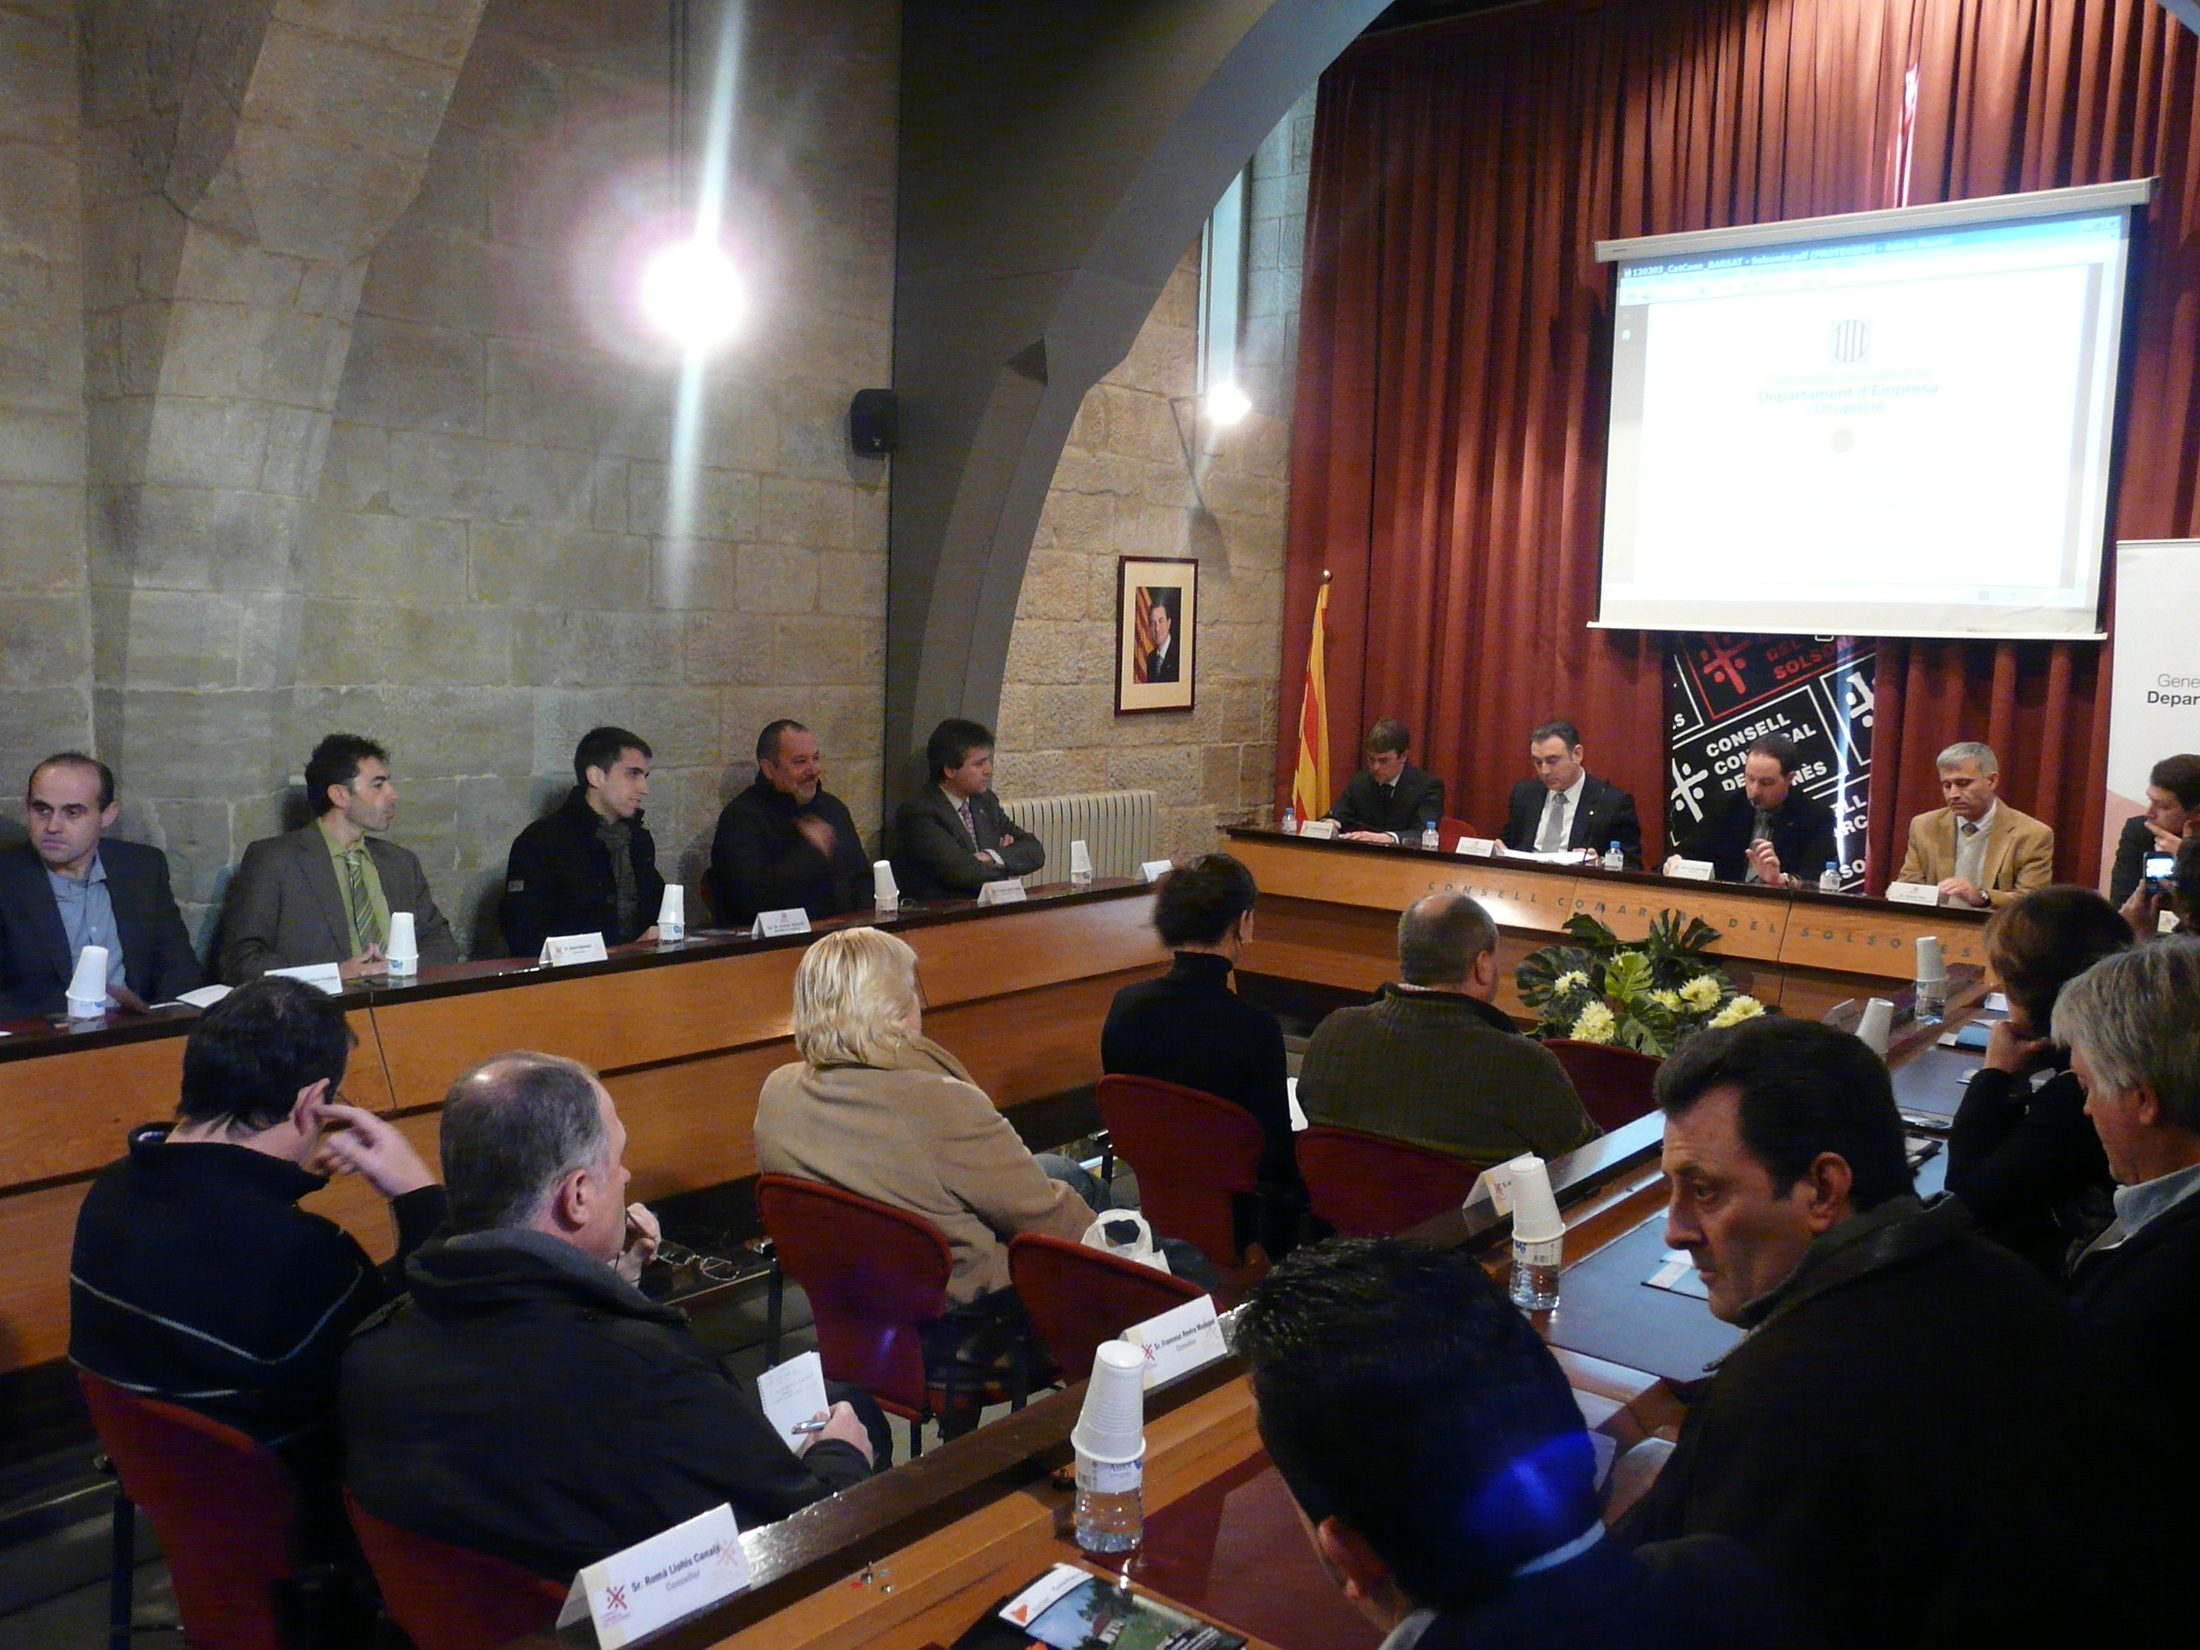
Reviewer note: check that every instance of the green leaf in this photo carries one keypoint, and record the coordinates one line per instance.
(1539, 973)
(1627, 977)
(1598, 937)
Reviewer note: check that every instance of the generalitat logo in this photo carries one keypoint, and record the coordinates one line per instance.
(1852, 341)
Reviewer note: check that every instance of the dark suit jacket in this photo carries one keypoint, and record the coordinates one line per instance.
(559, 880)
(1416, 800)
(1698, 1593)
(761, 861)
(2133, 846)
(285, 910)
(2140, 1297)
(1605, 815)
(157, 960)
(1163, 667)
(1802, 837)
(934, 857)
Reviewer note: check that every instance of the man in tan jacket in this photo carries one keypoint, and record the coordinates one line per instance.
(1977, 850)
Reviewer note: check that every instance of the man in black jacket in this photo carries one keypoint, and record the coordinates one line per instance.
(591, 867)
(2132, 1023)
(197, 1279)
(1444, 1473)
(2173, 809)
(1389, 800)
(527, 1400)
(952, 837)
(1565, 806)
(786, 841)
(1768, 831)
(70, 886)
(1913, 1436)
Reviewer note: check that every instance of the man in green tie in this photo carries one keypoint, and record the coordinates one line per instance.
(324, 893)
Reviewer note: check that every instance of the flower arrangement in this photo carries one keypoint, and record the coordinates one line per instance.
(1649, 997)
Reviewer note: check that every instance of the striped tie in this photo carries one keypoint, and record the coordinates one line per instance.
(365, 931)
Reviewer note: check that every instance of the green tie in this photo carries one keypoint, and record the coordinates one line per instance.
(365, 931)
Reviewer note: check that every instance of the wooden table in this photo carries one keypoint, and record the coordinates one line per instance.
(683, 1035)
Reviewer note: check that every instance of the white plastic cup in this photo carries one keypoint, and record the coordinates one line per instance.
(88, 985)
(1930, 965)
(403, 953)
(1534, 1208)
(1080, 863)
(885, 893)
(1112, 1426)
(672, 919)
(1878, 1020)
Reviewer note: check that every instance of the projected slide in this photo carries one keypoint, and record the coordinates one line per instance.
(1901, 434)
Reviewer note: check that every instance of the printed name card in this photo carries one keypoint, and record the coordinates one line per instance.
(1179, 1340)
(1153, 870)
(561, 949)
(770, 925)
(1478, 847)
(1006, 892)
(1691, 870)
(324, 976)
(1913, 893)
(688, 1568)
(1320, 829)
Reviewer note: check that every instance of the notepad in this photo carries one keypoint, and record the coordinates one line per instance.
(791, 1393)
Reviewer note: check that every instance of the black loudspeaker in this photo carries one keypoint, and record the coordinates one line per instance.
(874, 422)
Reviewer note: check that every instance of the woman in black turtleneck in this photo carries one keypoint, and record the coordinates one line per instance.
(1189, 1027)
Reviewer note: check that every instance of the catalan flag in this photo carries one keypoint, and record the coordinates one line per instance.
(1310, 784)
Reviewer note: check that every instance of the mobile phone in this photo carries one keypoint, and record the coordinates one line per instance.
(2161, 872)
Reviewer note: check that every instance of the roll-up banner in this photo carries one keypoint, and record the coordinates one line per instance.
(2154, 675)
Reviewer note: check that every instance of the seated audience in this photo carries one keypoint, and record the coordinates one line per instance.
(1912, 1435)
(324, 892)
(1188, 1027)
(2132, 1023)
(1565, 806)
(2172, 814)
(1389, 800)
(1443, 1472)
(2022, 1154)
(786, 841)
(526, 1400)
(1978, 850)
(197, 1279)
(71, 886)
(1768, 831)
(591, 867)
(953, 837)
(1433, 1062)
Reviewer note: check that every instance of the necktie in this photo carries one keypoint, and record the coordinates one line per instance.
(365, 931)
(962, 807)
(1554, 815)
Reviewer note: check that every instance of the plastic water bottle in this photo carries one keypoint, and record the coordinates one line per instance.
(1110, 1515)
(1535, 1274)
(1932, 1001)
(1290, 820)
(1111, 1505)
(1431, 838)
(1829, 880)
(1614, 859)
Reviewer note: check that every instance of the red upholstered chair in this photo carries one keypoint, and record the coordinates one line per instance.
(1078, 1297)
(1193, 1154)
(1368, 1186)
(452, 1598)
(224, 1507)
(1617, 1085)
(1451, 831)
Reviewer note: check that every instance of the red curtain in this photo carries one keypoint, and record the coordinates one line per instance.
(1447, 449)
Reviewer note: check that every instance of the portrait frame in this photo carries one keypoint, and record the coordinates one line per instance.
(1147, 587)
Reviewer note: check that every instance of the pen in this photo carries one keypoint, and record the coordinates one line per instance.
(808, 1426)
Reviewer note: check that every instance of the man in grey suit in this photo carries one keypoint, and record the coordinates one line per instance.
(952, 836)
(324, 893)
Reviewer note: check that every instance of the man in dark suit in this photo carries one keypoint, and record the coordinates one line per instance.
(786, 841)
(1389, 800)
(1565, 806)
(1162, 659)
(2173, 810)
(1768, 831)
(68, 887)
(591, 867)
(325, 892)
(952, 837)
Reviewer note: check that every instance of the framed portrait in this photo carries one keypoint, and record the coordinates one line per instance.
(1156, 633)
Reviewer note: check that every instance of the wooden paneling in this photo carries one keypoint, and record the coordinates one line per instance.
(36, 1229)
(1751, 927)
(1537, 901)
(1878, 939)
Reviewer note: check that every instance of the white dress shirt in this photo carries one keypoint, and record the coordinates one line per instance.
(1569, 800)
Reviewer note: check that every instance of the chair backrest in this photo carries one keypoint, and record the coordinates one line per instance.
(452, 1598)
(1452, 830)
(876, 1277)
(1369, 1186)
(1078, 1297)
(224, 1506)
(1192, 1153)
(1617, 1085)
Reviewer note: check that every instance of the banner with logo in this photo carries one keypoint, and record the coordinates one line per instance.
(2154, 677)
(1723, 692)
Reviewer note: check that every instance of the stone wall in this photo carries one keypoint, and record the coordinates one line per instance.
(1139, 477)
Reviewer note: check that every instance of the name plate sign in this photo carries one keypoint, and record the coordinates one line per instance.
(1179, 1340)
(1321, 830)
(323, 976)
(770, 925)
(1478, 847)
(1153, 870)
(1914, 893)
(687, 1568)
(1005, 892)
(560, 949)
(1691, 870)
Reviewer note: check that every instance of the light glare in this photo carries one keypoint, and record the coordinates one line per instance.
(1226, 403)
(691, 294)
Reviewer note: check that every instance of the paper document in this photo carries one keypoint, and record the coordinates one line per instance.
(1678, 1273)
(1291, 1098)
(1552, 856)
(205, 997)
(791, 1393)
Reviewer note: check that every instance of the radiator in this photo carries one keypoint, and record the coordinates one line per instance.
(1116, 826)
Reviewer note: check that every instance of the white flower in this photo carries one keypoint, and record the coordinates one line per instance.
(1701, 993)
(1669, 1000)
(1572, 980)
(1595, 1025)
(1743, 1007)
